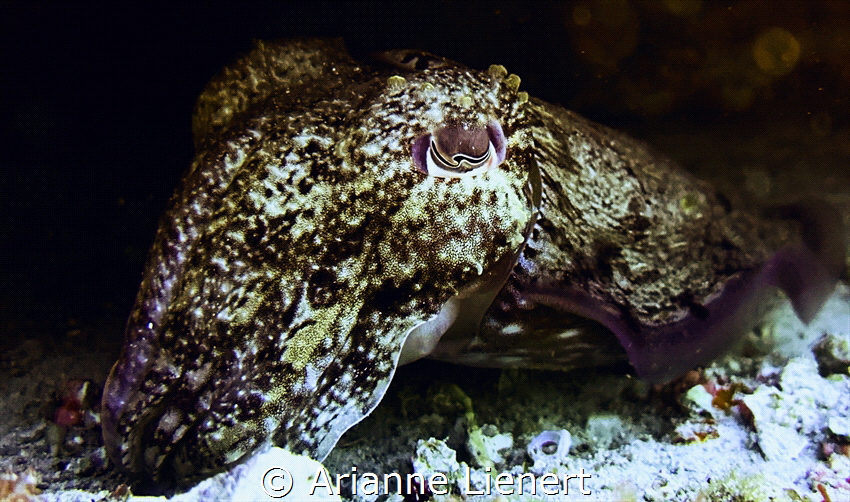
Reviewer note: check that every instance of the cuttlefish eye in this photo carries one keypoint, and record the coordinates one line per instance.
(459, 150)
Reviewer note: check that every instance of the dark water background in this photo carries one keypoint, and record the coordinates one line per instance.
(96, 103)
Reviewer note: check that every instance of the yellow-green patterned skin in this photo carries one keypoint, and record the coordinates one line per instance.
(341, 218)
(301, 248)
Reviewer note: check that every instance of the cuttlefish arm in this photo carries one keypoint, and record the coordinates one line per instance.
(334, 212)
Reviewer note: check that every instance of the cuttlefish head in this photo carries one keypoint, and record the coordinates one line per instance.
(322, 242)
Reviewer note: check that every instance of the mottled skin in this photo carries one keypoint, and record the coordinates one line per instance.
(304, 246)
(621, 229)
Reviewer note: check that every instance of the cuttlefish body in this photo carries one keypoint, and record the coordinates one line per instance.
(341, 219)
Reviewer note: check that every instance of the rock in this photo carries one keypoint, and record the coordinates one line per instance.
(485, 449)
(780, 443)
(833, 354)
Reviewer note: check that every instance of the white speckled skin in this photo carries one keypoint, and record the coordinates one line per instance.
(300, 250)
(304, 245)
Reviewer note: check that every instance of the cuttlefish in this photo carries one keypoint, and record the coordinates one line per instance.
(342, 218)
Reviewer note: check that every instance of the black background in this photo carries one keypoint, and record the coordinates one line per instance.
(97, 102)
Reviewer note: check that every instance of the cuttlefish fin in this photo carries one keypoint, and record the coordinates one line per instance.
(660, 351)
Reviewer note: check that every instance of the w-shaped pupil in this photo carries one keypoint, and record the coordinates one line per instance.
(461, 144)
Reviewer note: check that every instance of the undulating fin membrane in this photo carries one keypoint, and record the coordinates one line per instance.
(806, 272)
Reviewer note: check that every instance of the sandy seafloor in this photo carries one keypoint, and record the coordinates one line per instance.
(783, 435)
